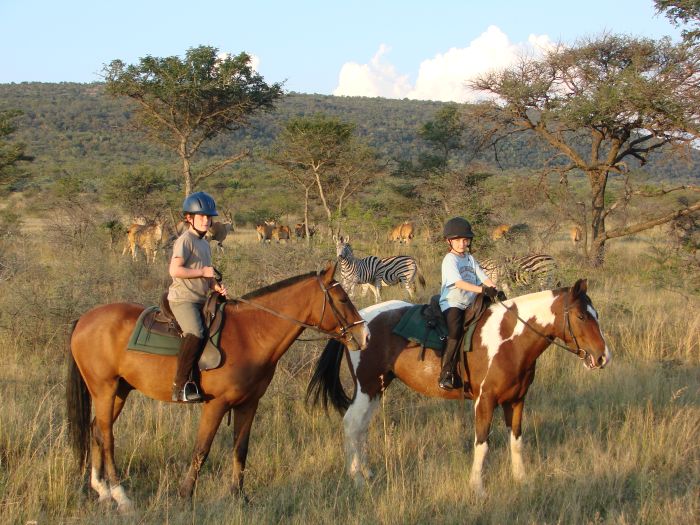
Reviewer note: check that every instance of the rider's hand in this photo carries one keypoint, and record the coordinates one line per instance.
(220, 288)
(501, 296)
(489, 291)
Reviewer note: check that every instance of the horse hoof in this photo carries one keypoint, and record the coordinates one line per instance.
(125, 508)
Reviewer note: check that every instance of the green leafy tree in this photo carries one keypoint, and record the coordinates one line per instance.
(604, 106)
(323, 155)
(11, 153)
(182, 103)
(682, 13)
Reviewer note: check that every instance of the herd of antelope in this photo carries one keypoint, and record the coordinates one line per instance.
(150, 237)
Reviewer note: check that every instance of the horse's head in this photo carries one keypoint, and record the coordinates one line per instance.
(341, 317)
(582, 333)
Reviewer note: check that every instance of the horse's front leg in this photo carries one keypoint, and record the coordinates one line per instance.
(513, 414)
(483, 415)
(355, 423)
(242, 422)
(212, 413)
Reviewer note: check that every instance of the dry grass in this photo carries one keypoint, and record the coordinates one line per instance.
(617, 446)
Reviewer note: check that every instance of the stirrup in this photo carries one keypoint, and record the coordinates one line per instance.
(447, 382)
(189, 393)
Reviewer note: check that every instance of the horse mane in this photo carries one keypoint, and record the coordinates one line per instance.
(278, 285)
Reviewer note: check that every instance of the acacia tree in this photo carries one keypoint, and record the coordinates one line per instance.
(684, 13)
(323, 153)
(181, 104)
(604, 106)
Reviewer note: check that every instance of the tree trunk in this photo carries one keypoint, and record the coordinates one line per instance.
(598, 182)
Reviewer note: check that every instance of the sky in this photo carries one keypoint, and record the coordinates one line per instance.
(377, 48)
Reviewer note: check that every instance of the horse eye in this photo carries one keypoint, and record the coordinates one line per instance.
(580, 316)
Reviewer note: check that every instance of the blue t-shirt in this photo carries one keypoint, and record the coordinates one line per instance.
(456, 268)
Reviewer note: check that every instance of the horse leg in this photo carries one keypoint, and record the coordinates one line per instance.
(483, 415)
(355, 423)
(97, 481)
(242, 422)
(212, 413)
(513, 414)
(105, 407)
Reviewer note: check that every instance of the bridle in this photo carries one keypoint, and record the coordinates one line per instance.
(578, 352)
(345, 326)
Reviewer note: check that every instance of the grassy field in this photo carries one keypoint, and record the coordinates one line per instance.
(614, 446)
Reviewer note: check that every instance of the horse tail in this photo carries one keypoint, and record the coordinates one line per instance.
(325, 382)
(421, 279)
(78, 403)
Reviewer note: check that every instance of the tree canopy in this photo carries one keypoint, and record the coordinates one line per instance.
(600, 105)
(322, 152)
(182, 103)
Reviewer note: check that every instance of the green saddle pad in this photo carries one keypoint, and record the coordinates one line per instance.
(414, 327)
(143, 340)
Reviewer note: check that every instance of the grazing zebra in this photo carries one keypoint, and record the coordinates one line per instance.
(524, 271)
(372, 271)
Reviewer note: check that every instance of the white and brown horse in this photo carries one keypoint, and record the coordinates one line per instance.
(508, 339)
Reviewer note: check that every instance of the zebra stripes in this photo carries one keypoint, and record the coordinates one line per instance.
(526, 271)
(372, 271)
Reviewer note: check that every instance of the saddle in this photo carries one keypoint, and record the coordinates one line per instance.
(157, 331)
(425, 324)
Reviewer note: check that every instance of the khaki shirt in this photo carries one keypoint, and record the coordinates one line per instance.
(195, 253)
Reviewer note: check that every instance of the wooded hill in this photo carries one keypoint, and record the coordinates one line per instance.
(76, 129)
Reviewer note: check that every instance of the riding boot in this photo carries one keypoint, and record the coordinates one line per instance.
(184, 388)
(449, 362)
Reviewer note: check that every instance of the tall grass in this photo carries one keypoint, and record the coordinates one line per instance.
(614, 446)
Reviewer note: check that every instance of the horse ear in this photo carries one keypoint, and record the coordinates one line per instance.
(329, 270)
(581, 287)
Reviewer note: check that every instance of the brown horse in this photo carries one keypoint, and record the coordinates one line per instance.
(507, 341)
(258, 330)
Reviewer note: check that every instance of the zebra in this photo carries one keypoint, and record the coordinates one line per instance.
(523, 271)
(372, 271)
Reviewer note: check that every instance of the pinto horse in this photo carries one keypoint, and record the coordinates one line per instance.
(258, 330)
(508, 339)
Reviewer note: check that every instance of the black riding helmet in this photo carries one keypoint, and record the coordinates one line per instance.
(458, 227)
(200, 203)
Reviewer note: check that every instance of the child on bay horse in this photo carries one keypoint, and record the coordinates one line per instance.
(193, 276)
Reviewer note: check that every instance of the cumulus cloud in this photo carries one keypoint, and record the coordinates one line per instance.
(376, 79)
(442, 77)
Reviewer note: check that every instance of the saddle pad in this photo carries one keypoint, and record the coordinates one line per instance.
(144, 340)
(414, 327)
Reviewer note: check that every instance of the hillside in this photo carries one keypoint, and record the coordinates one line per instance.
(67, 124)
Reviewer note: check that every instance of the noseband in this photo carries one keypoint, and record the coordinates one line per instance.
(345, 326)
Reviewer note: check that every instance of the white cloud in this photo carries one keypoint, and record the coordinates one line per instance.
(376, 79)
(442, 77)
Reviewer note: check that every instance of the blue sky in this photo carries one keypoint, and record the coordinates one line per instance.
(386, 48)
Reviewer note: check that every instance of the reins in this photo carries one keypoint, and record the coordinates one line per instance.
(345, 327)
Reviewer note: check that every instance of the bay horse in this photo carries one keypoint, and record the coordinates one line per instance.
(258, 329)
(508, 339)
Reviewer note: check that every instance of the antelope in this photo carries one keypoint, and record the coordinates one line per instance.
(146, 237)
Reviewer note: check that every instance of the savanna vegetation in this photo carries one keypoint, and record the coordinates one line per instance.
(613, 446)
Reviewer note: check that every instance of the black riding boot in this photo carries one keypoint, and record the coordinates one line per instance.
(185, 389)
(449, 364)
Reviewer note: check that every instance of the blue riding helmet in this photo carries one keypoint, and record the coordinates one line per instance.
(200, 203)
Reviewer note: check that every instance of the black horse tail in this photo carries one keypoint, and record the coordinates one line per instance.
(78, 403)
(325, 383)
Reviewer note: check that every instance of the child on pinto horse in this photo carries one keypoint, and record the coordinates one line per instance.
(193, 276)
(462, 280)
